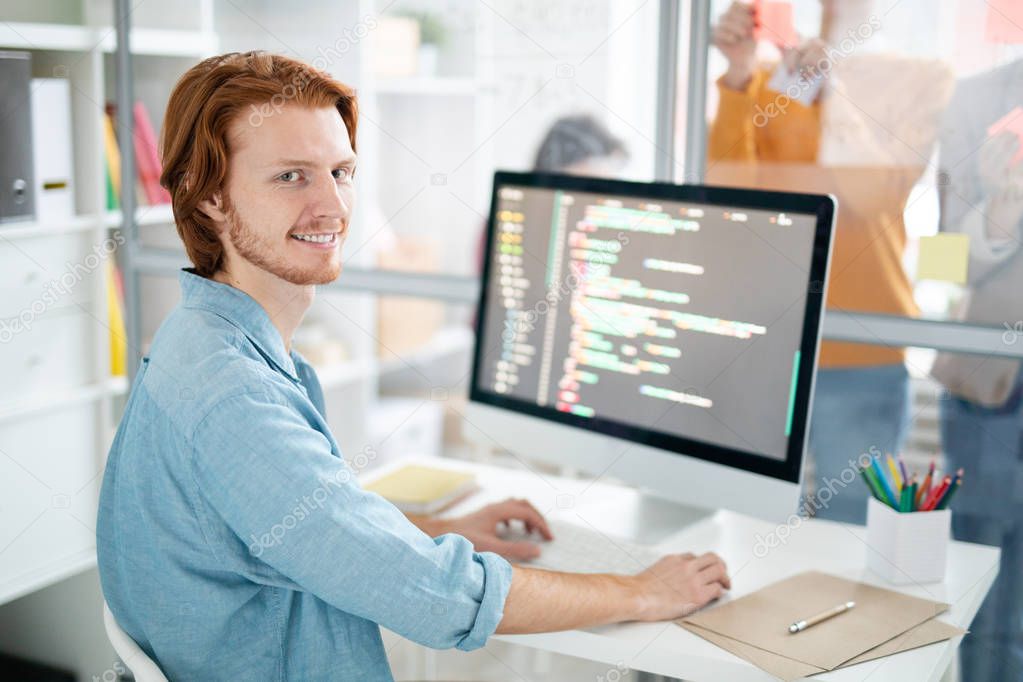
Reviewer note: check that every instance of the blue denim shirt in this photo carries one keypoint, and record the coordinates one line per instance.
(234, 542)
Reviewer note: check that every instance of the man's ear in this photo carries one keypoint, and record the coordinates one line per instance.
(213, 206)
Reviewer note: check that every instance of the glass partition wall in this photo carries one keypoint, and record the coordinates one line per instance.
(908, 111)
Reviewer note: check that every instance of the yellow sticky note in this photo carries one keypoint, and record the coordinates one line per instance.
(945, 257)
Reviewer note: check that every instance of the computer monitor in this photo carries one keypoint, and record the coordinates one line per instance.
(662, 334)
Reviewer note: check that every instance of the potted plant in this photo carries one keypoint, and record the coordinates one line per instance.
(432, 34)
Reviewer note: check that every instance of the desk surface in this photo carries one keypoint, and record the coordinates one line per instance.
(665, 648)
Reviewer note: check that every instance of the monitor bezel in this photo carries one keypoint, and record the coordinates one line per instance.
(821, 206)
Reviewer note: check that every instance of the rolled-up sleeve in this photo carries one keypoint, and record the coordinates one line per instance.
(274, 481)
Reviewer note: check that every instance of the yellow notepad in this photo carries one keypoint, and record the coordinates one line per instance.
(420, 489)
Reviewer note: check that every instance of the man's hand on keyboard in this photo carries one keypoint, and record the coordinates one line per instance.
(679, 584)
(482, 528)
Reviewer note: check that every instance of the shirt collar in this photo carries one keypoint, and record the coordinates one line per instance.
(241, 310)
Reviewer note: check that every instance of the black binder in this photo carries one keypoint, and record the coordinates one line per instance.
(17, 183)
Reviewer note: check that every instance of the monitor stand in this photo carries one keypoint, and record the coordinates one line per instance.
(642, 518)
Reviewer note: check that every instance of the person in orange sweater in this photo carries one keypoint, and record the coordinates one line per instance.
(849, 123)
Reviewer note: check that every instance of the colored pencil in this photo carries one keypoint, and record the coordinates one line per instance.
(925, 487)
(942, 501)
(947, 497)
(875, 493)
(883, 483)
(937, 493)
(896, 479)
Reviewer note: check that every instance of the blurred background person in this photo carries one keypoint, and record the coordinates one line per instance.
(576, 145)
(981, 190)
(581, 145)
(830, 116)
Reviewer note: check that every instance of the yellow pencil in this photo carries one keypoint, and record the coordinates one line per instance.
(896, 478)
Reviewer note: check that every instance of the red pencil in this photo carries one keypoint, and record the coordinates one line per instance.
(925, 487)
(936, 494)
(948, 491)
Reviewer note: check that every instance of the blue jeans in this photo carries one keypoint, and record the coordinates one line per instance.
(855, 410)
(988, 444)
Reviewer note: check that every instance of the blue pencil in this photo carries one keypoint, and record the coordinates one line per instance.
(886, 488)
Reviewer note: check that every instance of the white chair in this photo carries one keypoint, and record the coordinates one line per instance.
(140, 665)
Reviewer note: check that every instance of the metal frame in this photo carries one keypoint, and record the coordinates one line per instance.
(667, 89)
(874, 329)
(696, 91)
(866, 328)
(899, 332)
(125, 97)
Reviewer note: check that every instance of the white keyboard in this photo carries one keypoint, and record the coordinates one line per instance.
(578, 549)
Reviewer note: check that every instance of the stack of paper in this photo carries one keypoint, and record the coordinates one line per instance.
(418, 489)
(883, 622)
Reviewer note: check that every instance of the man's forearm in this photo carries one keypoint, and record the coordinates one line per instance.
(676, 585)
(547, 601)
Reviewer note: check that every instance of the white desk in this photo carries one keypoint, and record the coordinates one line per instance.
(665, 648)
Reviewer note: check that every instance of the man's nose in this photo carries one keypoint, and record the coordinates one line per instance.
(330, 200)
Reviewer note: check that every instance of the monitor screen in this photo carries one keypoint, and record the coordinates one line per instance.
(678, 316)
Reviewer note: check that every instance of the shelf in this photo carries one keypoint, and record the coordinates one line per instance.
(51, 574)
(447, 341)
(71, 38)
(344, 373)
(30, 228)
(58, 37)
(156, 214)
(155, 42)
(65, 398)
(427, 85)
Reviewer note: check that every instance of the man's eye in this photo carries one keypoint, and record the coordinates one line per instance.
(342, 173)
(290, 176)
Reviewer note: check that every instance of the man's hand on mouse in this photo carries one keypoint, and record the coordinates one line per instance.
(484, 529)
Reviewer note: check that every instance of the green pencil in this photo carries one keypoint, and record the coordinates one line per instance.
(881, 495)
(870, 485)
(948, 494)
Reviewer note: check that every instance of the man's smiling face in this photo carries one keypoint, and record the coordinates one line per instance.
(288, 195)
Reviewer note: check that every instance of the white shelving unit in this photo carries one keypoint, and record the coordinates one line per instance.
(59, 411)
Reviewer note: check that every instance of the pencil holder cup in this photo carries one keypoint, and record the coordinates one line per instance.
(908, 547)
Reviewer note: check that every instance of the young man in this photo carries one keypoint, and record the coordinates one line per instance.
(233, 540)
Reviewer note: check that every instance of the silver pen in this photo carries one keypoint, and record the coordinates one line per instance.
(801, 625)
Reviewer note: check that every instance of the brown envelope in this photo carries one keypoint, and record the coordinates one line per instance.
(761, 619)
(928, 632)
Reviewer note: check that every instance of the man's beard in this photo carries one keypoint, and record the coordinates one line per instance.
(251, 246)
